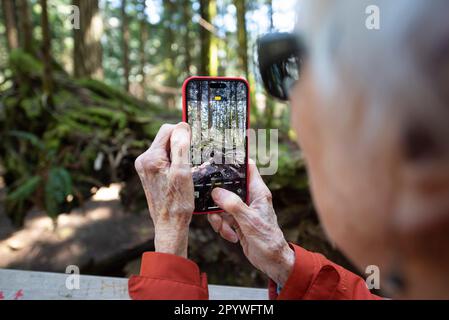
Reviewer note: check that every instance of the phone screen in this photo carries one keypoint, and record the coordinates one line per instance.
(217, 112)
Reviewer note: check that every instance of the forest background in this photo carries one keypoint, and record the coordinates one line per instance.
(78, 105)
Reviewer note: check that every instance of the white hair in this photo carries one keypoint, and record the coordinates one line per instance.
(399, 62)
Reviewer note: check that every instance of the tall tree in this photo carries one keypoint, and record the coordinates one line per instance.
(270, 14)
(205, 38)
(125, 44)
(46, 53)
(208, 37)
(25, 25)
(10, 24)
(170, 53)
(236, 115)
(269, 104)
(187, 18)
(242, 36)
(198, 122)
(213, 49)
(143, 28)
(210, 110)
(87, 50)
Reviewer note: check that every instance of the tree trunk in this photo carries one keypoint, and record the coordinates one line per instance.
(125, 44)
(10, 24)
(270, 14)
(143, 26)
(236, 116)
(209, 41)
(269, 104)
(213, 49)
(242, 36)
(46, 53)
(187, 17)
(87, 50)
(205, 38)
(199, 122)
(25, 26)
(170, 56)
(209, 116)
(224, 127)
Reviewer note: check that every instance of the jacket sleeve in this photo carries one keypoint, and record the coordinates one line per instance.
(315, 278)
(167, 277)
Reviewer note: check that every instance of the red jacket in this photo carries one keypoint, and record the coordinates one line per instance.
(165, 276)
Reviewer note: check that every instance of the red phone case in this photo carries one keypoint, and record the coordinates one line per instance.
(184, 118)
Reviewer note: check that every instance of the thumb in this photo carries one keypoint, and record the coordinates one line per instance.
(230, 202)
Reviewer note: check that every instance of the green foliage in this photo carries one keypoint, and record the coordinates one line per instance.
(16, 199)
(23, 63)
(58, 186)
(32, 107)
(291, 171)
(27, 136)
(25, 190)
(49, 154)
(106, 91)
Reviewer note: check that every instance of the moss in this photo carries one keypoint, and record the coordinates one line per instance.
(64, 99)
(23, 63)
(108, 92)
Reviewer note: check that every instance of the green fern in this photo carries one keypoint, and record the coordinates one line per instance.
(25, 190)
(17, 202)
(57, 187)
(27, 136)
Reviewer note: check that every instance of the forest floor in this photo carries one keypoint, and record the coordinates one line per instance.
(99, 237)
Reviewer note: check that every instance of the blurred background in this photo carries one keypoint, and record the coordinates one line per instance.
(78, 104)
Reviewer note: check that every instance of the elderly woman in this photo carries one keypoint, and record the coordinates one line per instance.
(371, 113)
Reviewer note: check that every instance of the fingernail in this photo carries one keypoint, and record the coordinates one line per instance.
(217, 193)
(184, 125)
(234, 238)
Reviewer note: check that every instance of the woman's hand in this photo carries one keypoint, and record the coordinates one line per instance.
(255, 226)
(166, 176)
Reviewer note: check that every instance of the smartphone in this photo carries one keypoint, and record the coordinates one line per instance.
(217, 110)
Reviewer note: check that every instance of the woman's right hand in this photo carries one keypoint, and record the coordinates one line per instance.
(166, 176)
(255, 226)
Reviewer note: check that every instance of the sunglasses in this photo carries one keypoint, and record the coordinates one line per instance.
(280, 56)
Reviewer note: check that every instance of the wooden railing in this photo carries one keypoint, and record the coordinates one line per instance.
(32, 285)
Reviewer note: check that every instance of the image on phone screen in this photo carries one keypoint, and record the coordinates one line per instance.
(217, 113)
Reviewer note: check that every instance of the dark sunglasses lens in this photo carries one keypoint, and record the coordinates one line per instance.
(280, 76)
(279, 57)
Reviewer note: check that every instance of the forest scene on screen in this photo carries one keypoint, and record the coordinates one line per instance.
(217, 114)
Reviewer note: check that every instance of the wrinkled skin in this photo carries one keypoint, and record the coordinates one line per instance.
(255, 226)
(168, 185)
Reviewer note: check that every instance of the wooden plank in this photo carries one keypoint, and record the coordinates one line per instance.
(33, 285)
(217, 292)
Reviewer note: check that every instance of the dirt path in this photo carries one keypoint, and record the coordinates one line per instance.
(99, 238)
